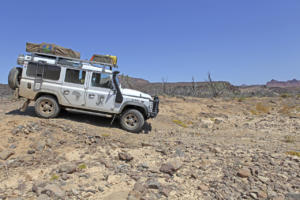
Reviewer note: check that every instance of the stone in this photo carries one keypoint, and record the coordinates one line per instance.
(67, 168)
(262, 194)
(244, 173)
(31, 151)
(202, 187)
(125, 156)
(117, 195)
(4, 155)
(179, 153)
(253, 195)
(152, 183)
(43, 197)
(40, 145)
(12, 146)
(55, 191)
(134, 195)
(293, 196)
(139, 187)
(64, 177)
(170, 167)
(100, 189)
(217, 121)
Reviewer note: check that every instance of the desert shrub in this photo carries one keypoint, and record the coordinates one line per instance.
(254, 112)
(241, 99)
(286, 110)
(293, 153)
(285, 95)
(105, 135)
(82, 166)
(54, 177)
(261, 108)
(289, 139)
(180, 123)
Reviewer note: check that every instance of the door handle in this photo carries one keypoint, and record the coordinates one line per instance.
(91, 96)
(66, 92)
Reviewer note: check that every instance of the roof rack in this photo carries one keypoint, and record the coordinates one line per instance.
(57, 58)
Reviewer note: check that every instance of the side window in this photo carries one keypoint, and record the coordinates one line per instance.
(101, 80)
(50, 72)
(31, 70)
(75, 76)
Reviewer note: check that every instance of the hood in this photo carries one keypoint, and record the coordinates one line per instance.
(130, 92)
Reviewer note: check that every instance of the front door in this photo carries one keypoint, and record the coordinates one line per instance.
(73, 88)
(100, 95)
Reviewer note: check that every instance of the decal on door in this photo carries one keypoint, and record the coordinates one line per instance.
(100, 100)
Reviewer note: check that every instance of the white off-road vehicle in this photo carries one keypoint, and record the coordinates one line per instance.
(89, 87)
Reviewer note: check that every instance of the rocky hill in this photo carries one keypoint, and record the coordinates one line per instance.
(289, 83)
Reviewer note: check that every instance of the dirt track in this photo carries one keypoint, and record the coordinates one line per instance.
(197, 149)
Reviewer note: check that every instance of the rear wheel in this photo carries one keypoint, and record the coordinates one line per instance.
(14, 77)
(47, 107)
(132, 120)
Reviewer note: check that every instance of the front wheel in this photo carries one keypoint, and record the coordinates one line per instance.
(132, 120)
(47, 107)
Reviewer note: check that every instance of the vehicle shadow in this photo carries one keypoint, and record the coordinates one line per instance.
(82, 118)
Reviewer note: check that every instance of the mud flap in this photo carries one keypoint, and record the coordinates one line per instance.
(25, 105)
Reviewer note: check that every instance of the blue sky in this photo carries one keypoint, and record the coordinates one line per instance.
(241, 41)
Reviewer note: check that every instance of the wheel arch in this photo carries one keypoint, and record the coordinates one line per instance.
(39, 94)
(132, 105)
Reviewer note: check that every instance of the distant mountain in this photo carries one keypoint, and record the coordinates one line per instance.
(289, 83)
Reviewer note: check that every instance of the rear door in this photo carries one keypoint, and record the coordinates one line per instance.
(73, 88)
(100, 95)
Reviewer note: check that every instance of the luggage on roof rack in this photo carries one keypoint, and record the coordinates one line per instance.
(51, 49)
(105, 59)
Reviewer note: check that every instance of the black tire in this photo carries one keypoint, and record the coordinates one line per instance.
(47, 107)
(14, 77)
(132, 120)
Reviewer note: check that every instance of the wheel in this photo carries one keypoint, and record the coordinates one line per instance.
(47, 107)
(132, 120)
(14, 77)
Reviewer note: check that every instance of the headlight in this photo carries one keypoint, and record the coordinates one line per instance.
(151, 106)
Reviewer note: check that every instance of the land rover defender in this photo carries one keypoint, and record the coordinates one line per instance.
(84, 86)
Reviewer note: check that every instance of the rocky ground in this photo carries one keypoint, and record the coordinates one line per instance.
(244, 148)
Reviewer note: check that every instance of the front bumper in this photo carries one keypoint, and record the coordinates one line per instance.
(155, 108)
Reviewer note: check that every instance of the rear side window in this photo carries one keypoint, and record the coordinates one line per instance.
(75, 76)
(101, 80)
(50, 72)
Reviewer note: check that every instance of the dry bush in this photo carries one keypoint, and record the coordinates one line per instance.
(54, 177)
(261, 108)
(285, 95)
(289, 139)
(293, 153)
(241, 99)
(286, 109)
(82, 166)
(180, 123)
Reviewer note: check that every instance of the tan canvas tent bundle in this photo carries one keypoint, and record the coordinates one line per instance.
(104, 59)
(51, 49)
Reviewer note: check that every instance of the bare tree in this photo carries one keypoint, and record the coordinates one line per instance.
(163, 85)
(216, 88)
(194, 86)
